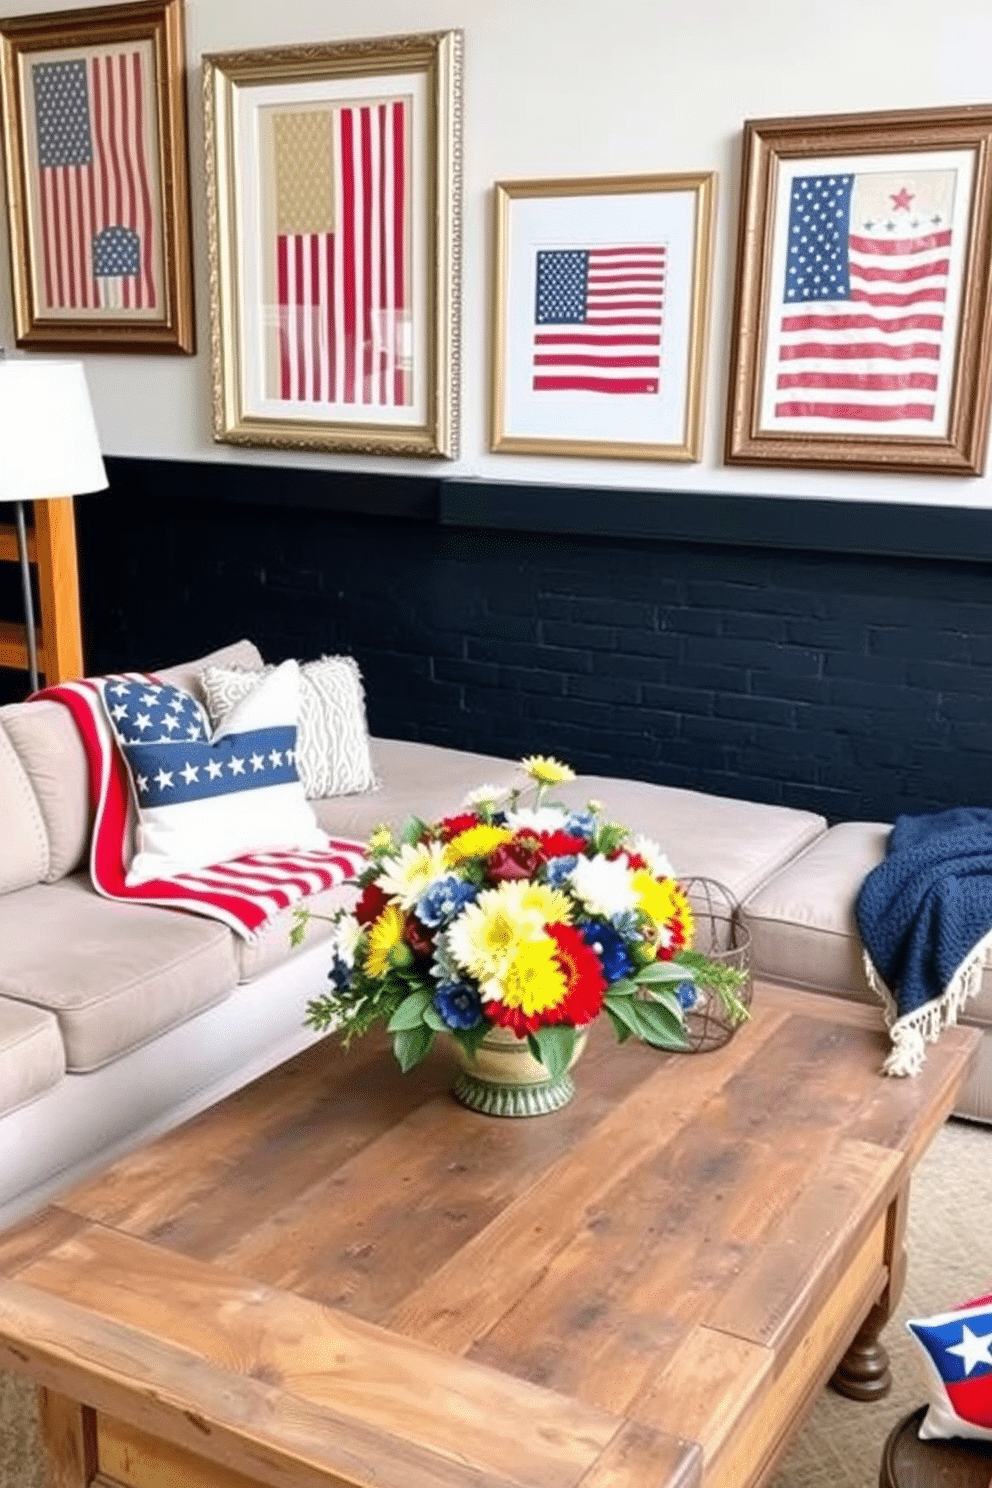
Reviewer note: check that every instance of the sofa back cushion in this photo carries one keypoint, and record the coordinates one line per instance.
(52, 758)
(24, 852)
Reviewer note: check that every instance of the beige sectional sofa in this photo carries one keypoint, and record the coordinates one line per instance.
(118, 1020)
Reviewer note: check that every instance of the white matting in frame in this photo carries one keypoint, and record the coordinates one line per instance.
(600, 314)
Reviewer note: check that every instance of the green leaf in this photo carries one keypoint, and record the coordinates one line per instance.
(432, 1018)
(471, 1038)
(661, 1026)
(624, 1012)
(664, 971)
(410, 1045)
(410, 1013)
(557, 1045)
(625, 987)
(609, 837)
(619, 1027)
(412, 830)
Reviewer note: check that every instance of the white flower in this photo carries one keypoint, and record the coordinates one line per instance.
(652, 854)
(603, 886)
(405, 877)
(541, 819)
(486, 795)
(346, 938)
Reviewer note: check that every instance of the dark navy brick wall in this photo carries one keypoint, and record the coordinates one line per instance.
(855, 686)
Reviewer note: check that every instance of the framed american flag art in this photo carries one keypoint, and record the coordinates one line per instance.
(600, 302)
(861, 334)
(94, 125)
(333, 180)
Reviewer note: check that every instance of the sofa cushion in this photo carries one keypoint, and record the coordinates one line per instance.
(802, 924)
(186, 674)
(50, 749)
(114, 975)
(32, 1058)
(738, 843)
(418, 779)
(24, 859)
(203, 800)
(332, 746)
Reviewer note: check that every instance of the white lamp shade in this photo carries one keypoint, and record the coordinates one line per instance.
(48, 439)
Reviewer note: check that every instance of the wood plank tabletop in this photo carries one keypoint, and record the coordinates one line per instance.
(340, 1275)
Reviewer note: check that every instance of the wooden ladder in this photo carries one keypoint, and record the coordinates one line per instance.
(52, 549)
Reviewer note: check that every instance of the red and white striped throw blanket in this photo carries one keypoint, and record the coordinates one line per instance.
(243, 892)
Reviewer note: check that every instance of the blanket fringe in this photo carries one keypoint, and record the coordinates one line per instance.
(911, 1033)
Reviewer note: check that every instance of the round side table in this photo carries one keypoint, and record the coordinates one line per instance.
(908, 1462)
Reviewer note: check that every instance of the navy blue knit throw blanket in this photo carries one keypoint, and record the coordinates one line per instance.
(925, 917)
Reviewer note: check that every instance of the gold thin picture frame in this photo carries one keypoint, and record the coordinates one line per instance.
(335, 275)
(886, 374)
(569, 379)
(96, 156)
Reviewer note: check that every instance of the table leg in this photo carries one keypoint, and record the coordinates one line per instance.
(69, 1434)
(863, 1373)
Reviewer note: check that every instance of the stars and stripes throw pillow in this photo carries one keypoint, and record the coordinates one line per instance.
(957, 1353)
(201, 799)
(243, 892)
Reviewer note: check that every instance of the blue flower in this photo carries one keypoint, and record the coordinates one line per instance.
(613, 954)
(439, 903)
(459, 1005)
(629, 924)
(339, 974)
(687, 995)
(580, 824)
(558, 870)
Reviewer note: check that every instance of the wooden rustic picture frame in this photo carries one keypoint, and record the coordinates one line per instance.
(861, 332)
(600, 304)
(334, 193)
(94, 124)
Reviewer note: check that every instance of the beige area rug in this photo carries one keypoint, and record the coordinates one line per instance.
(950, 1259)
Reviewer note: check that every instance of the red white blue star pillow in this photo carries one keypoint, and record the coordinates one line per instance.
(957, 1352)
(200, 799)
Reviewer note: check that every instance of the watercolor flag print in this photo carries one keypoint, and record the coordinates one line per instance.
(862, 333)
(598, 319)
(95, 198)
(342, 249)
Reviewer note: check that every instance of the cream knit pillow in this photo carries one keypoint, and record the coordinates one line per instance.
(332, 746)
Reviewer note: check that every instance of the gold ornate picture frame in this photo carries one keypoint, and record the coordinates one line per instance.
(600, 305)
(334, 197)
(94, 125)
(861, 332)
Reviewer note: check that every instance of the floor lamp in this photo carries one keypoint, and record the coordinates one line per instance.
(48, 448)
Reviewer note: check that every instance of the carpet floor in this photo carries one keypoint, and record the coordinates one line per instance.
(840, 1445)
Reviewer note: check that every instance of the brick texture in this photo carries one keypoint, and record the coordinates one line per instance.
(857, 688)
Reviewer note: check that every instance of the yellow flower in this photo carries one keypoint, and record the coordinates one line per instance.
(663, 900)
(547, 771)
(476, 842)
(385, 934)
(533, 981)
(486, 935)
(380, 841)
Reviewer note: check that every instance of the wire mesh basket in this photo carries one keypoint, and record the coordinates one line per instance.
(722, 936)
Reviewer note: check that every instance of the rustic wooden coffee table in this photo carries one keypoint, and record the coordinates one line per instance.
(339, 1276)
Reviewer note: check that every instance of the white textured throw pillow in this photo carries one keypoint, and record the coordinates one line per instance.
(332, 751)
(203, 800)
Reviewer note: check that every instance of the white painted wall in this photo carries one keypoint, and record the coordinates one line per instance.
(557, 88)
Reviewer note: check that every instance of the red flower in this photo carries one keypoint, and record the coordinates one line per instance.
(583, 972)
(450, 826)
(560, 844)
(515, 859)
(418, 938)
(371, 904)
(634, 860)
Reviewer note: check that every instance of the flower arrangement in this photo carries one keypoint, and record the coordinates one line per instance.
(535, 918)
